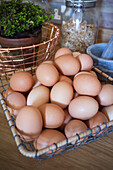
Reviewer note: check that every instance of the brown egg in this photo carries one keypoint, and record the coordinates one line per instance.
(86, 62)
(65, 78)
(63, 51)
(36, 84)
(105, 97)
(38, 96)
(93, 73)
(7, 92)
(52, 114)
(12, 112)
(108, 111)
(16, 100)
(74, 127)
(47, 74)
(98, 119)
(84, 72)
(61, 94)
(83, 107)
(66, 120)
(67, 65)
(48, 137)
(49, 61)
(29, 123)
(76, 54)
(21, 81)
(87, 84)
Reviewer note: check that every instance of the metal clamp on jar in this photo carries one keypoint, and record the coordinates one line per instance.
(79, 25)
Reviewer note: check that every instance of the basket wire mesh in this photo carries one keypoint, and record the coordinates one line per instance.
(30, 56)
(27, 149)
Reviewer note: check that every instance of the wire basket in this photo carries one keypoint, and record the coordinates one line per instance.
(30, 56)
(27, 149)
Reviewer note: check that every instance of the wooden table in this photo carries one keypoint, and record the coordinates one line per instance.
(93, 156)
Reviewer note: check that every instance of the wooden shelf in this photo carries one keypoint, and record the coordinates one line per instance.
(104, 35)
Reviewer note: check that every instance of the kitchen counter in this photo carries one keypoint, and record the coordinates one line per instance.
(93, 156)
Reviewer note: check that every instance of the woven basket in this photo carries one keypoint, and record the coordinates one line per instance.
(30, 56)
(27, 149)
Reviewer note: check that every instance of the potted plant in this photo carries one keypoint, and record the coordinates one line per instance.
(21, 22)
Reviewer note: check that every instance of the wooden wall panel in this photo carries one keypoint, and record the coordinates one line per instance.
(105, 9)
(105, 13)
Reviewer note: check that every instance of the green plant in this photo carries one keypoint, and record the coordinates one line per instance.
(17, 17)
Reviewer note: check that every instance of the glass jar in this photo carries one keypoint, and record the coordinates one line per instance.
(79, 25)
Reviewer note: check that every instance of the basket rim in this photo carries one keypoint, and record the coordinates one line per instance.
(37, 153)
(75, 138)
(33, 46)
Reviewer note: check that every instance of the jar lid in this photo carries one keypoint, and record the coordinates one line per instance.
(80, 3)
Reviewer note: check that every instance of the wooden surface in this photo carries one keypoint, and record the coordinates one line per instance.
(94, 156)
(104, 34)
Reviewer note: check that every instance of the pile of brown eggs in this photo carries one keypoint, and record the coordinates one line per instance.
(64, 98)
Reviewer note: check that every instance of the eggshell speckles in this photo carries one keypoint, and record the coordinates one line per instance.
(105, 97)
(53, 115)
(61, 94)
(47, 138)
(83, 107)
(63, 51)
(29, 122)
(47, 74)
(21, 81)
(87, 84)
(38, 96)
(67, 65)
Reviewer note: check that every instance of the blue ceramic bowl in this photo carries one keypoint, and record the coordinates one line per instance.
(105, 65)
